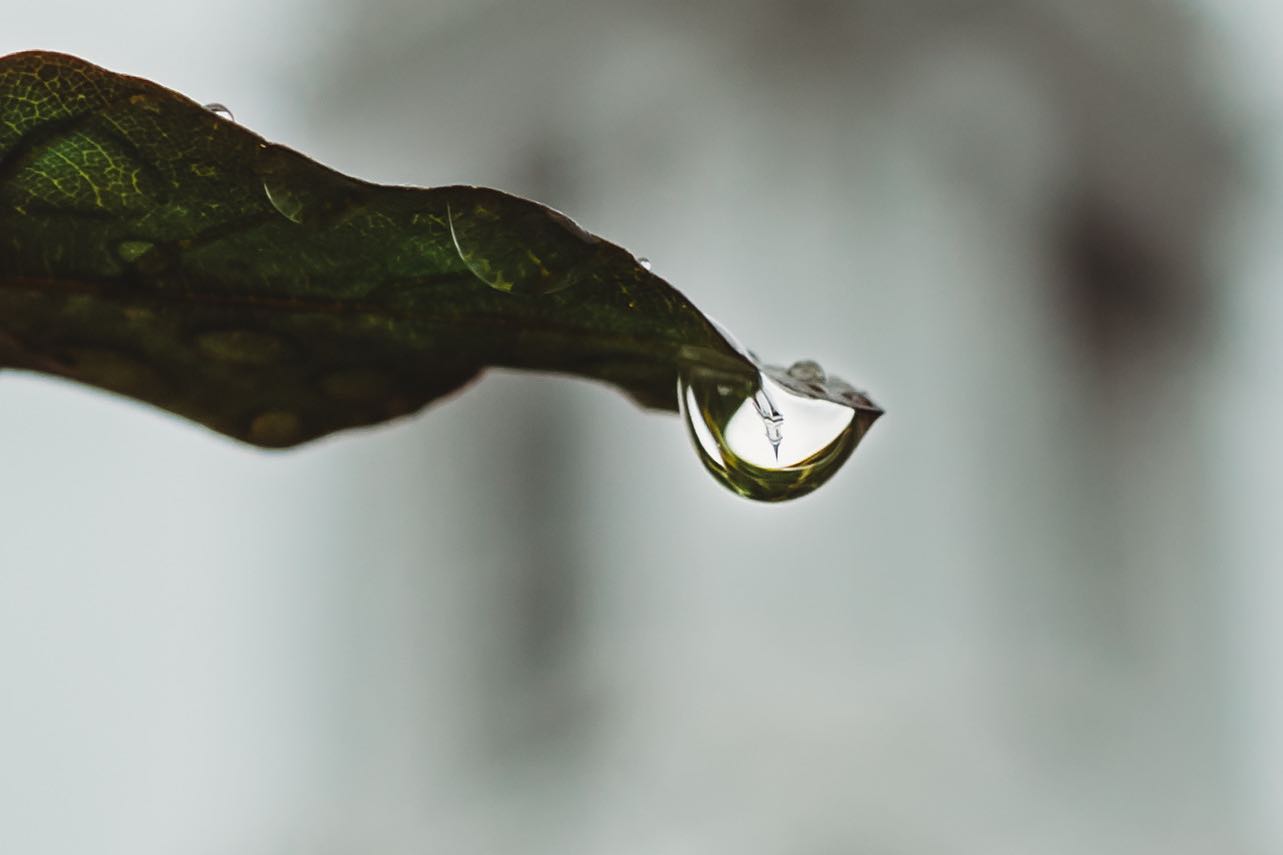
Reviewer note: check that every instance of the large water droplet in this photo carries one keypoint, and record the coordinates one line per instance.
(775, 438)
(220, 110)
(644, 262)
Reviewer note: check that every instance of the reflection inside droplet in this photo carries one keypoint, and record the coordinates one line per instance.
(774, 438)
(790, 433)
(644, 262)
(772, 418)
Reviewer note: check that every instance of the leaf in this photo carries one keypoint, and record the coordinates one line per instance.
(156, 249)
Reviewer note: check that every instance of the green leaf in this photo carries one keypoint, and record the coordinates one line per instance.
(152, 247)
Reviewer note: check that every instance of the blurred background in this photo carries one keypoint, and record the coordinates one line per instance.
(1038, 612)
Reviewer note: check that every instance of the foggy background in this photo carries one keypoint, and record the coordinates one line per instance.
(1038, 612)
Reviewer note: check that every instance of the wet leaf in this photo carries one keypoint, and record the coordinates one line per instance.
(155, 248)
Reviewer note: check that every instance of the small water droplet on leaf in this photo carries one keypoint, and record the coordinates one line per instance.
(220, 110)
(644, 262)
(807, 371)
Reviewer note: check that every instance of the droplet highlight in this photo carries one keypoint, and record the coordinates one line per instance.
(807, 371)
(777, 437)
(644, 262)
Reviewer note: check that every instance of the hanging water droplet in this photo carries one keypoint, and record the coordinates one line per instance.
(644, 262)
(776, 438)
(220, 110)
